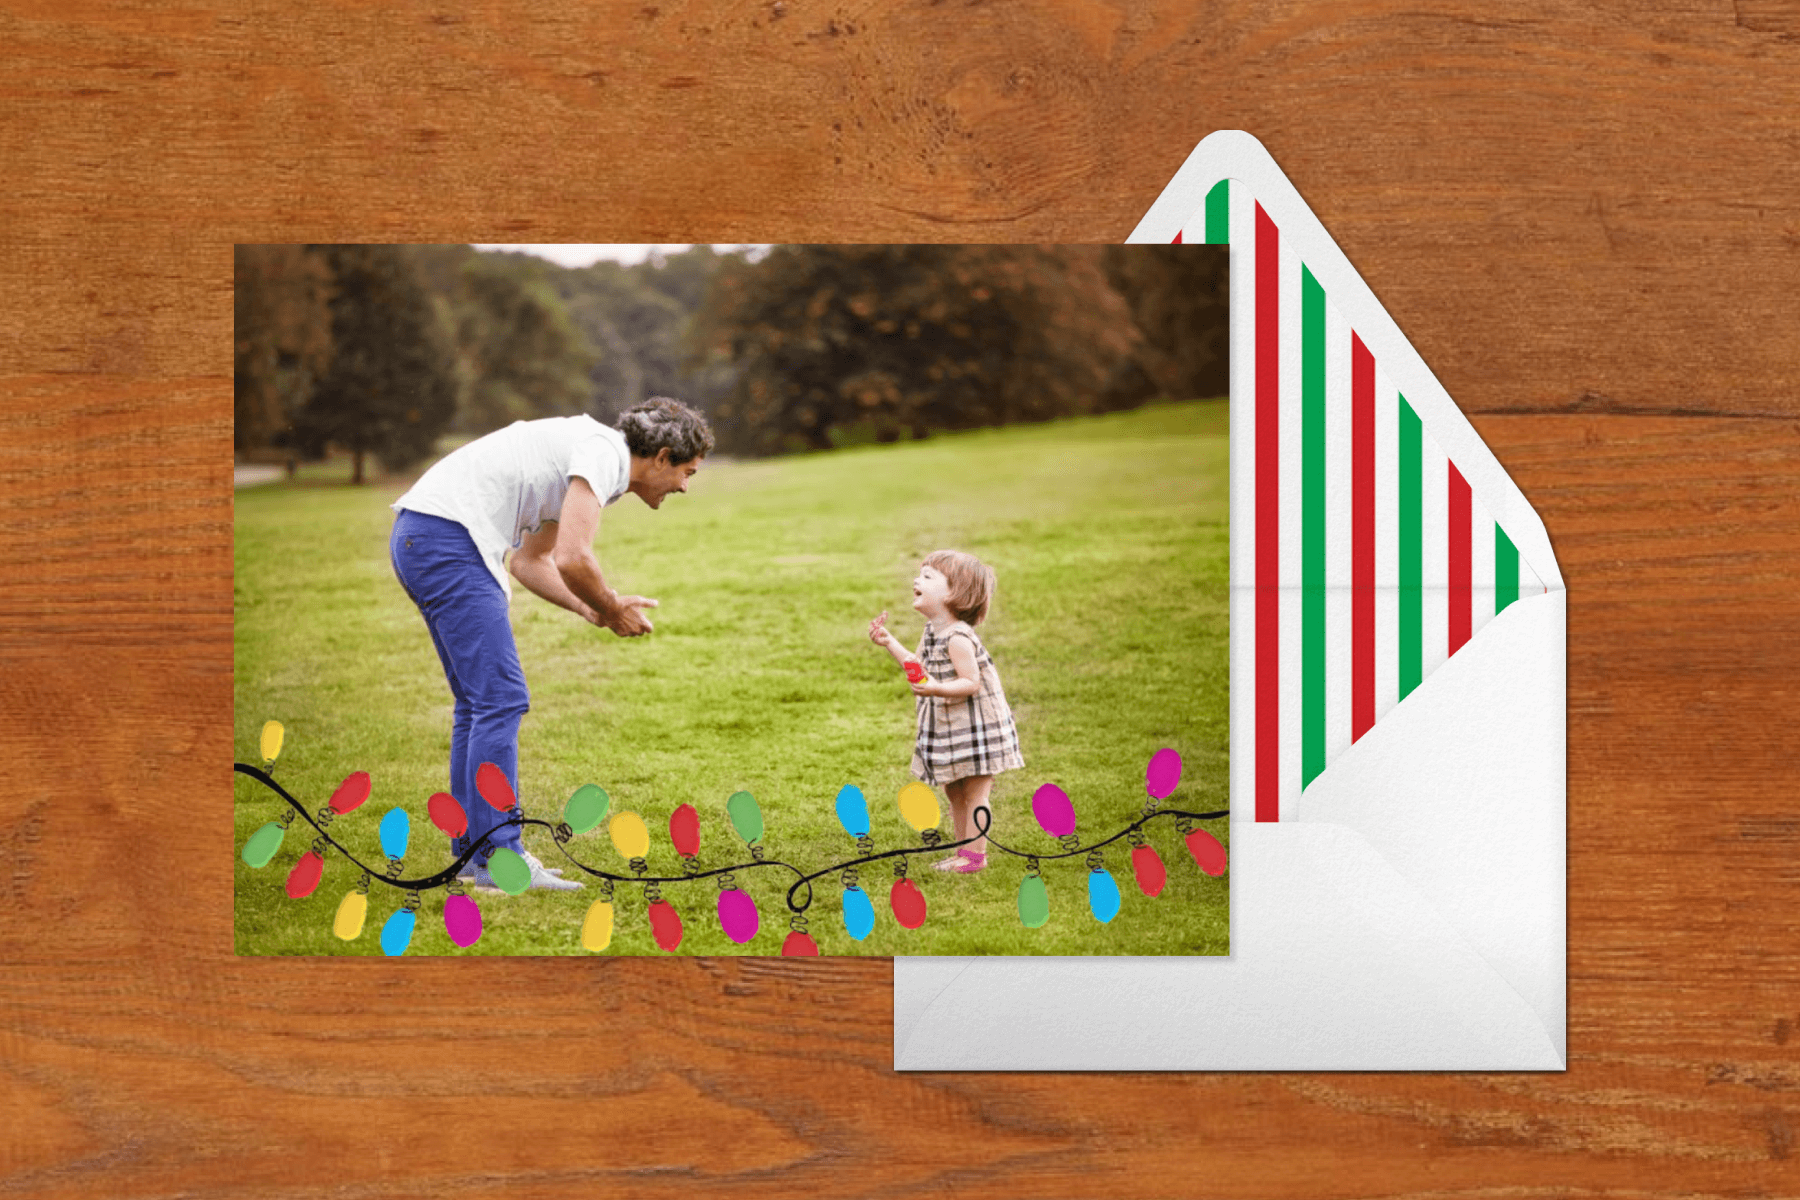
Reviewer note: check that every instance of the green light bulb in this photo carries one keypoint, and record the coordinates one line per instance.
(745, 816)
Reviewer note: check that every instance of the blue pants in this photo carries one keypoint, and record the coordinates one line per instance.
(465, 610)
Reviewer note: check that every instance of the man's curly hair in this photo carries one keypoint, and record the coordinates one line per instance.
(664, 422)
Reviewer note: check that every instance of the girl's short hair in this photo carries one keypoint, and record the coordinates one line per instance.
(971, 583)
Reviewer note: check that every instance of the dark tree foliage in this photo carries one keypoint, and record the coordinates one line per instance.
(910, 339)
(368, 348)
(684, 277)
(391, 389)
(1180, 297)
(638, 318)
(633, 328)
(524, 357)
(281, 300)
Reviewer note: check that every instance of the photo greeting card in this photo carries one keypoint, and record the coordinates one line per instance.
(774, 599)
(1397, 718)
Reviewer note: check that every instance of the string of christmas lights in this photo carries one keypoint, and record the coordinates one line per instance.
(738, 917)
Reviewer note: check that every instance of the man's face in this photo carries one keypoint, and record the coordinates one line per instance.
(665, 476)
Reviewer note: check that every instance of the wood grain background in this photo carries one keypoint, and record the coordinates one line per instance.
(1587, 218)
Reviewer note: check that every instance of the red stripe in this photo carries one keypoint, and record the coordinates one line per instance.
(1362, 538)
(1268, 518)
(1177, 240)
(1462, 562)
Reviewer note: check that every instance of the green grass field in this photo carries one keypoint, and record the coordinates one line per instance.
(1108, 537)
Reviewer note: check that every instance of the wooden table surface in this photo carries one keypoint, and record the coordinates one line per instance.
(1587, 219)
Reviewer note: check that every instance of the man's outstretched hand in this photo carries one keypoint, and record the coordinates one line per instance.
(627, 618)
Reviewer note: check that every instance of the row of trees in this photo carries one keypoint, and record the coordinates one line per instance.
(380, 350)
(899, 340)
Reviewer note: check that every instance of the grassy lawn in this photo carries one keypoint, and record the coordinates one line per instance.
(1108, 539)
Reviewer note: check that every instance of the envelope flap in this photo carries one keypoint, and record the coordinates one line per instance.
(1193, 208)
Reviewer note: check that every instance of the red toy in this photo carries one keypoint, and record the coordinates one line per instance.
(915, 672)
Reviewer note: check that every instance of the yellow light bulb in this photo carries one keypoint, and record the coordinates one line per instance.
(271, 741)
(352, 910)
(629, 834)
(919, 807)
(597, 929)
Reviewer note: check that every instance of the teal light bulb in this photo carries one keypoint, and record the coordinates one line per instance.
(859, 914)
(396, 831)
(396, 935)
(1103, 895)
(853, 811)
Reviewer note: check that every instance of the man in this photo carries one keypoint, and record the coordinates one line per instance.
(535, 488)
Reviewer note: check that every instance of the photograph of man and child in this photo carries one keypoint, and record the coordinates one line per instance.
(641, 519)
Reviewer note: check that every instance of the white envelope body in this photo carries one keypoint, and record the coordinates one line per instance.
(1397, 719)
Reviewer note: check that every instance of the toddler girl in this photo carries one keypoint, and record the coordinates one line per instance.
(966, 733)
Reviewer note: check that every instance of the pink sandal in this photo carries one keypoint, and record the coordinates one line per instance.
(973, 862)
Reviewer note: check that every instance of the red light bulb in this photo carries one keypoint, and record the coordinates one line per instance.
(799, 945)
(665, 925)
(684, 831)
(491, 782)
(908, 903)
(305, 876)
(1147, 865)
(351, 793)
(1207, 852)
(447, 814)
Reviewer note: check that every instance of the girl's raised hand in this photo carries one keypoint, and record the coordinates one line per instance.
(878, 632)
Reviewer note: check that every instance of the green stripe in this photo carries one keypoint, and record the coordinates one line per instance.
(1412, 546)
(1312, 527)
(1218, 214)
(1506, 570)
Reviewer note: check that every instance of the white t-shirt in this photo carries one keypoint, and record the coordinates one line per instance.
(507, 484)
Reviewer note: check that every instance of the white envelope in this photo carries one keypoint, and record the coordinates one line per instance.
(1406, 911)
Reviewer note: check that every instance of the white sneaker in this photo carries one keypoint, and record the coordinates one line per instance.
(471, 873)
(543, 877)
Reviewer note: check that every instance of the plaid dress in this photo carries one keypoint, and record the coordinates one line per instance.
(963, 735)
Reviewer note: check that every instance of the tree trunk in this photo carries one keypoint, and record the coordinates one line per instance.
(356, 469)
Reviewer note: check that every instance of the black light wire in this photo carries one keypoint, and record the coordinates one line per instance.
(982, 817)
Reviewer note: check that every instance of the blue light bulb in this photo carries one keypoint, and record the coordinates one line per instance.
(1103, 895)
(396, 935)
(853, 811)
(859, 914)
(396, 829)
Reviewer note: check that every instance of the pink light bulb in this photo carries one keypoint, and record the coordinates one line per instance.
(462, 920)
(1050, 805)
(1162, 773)
(737, 914)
